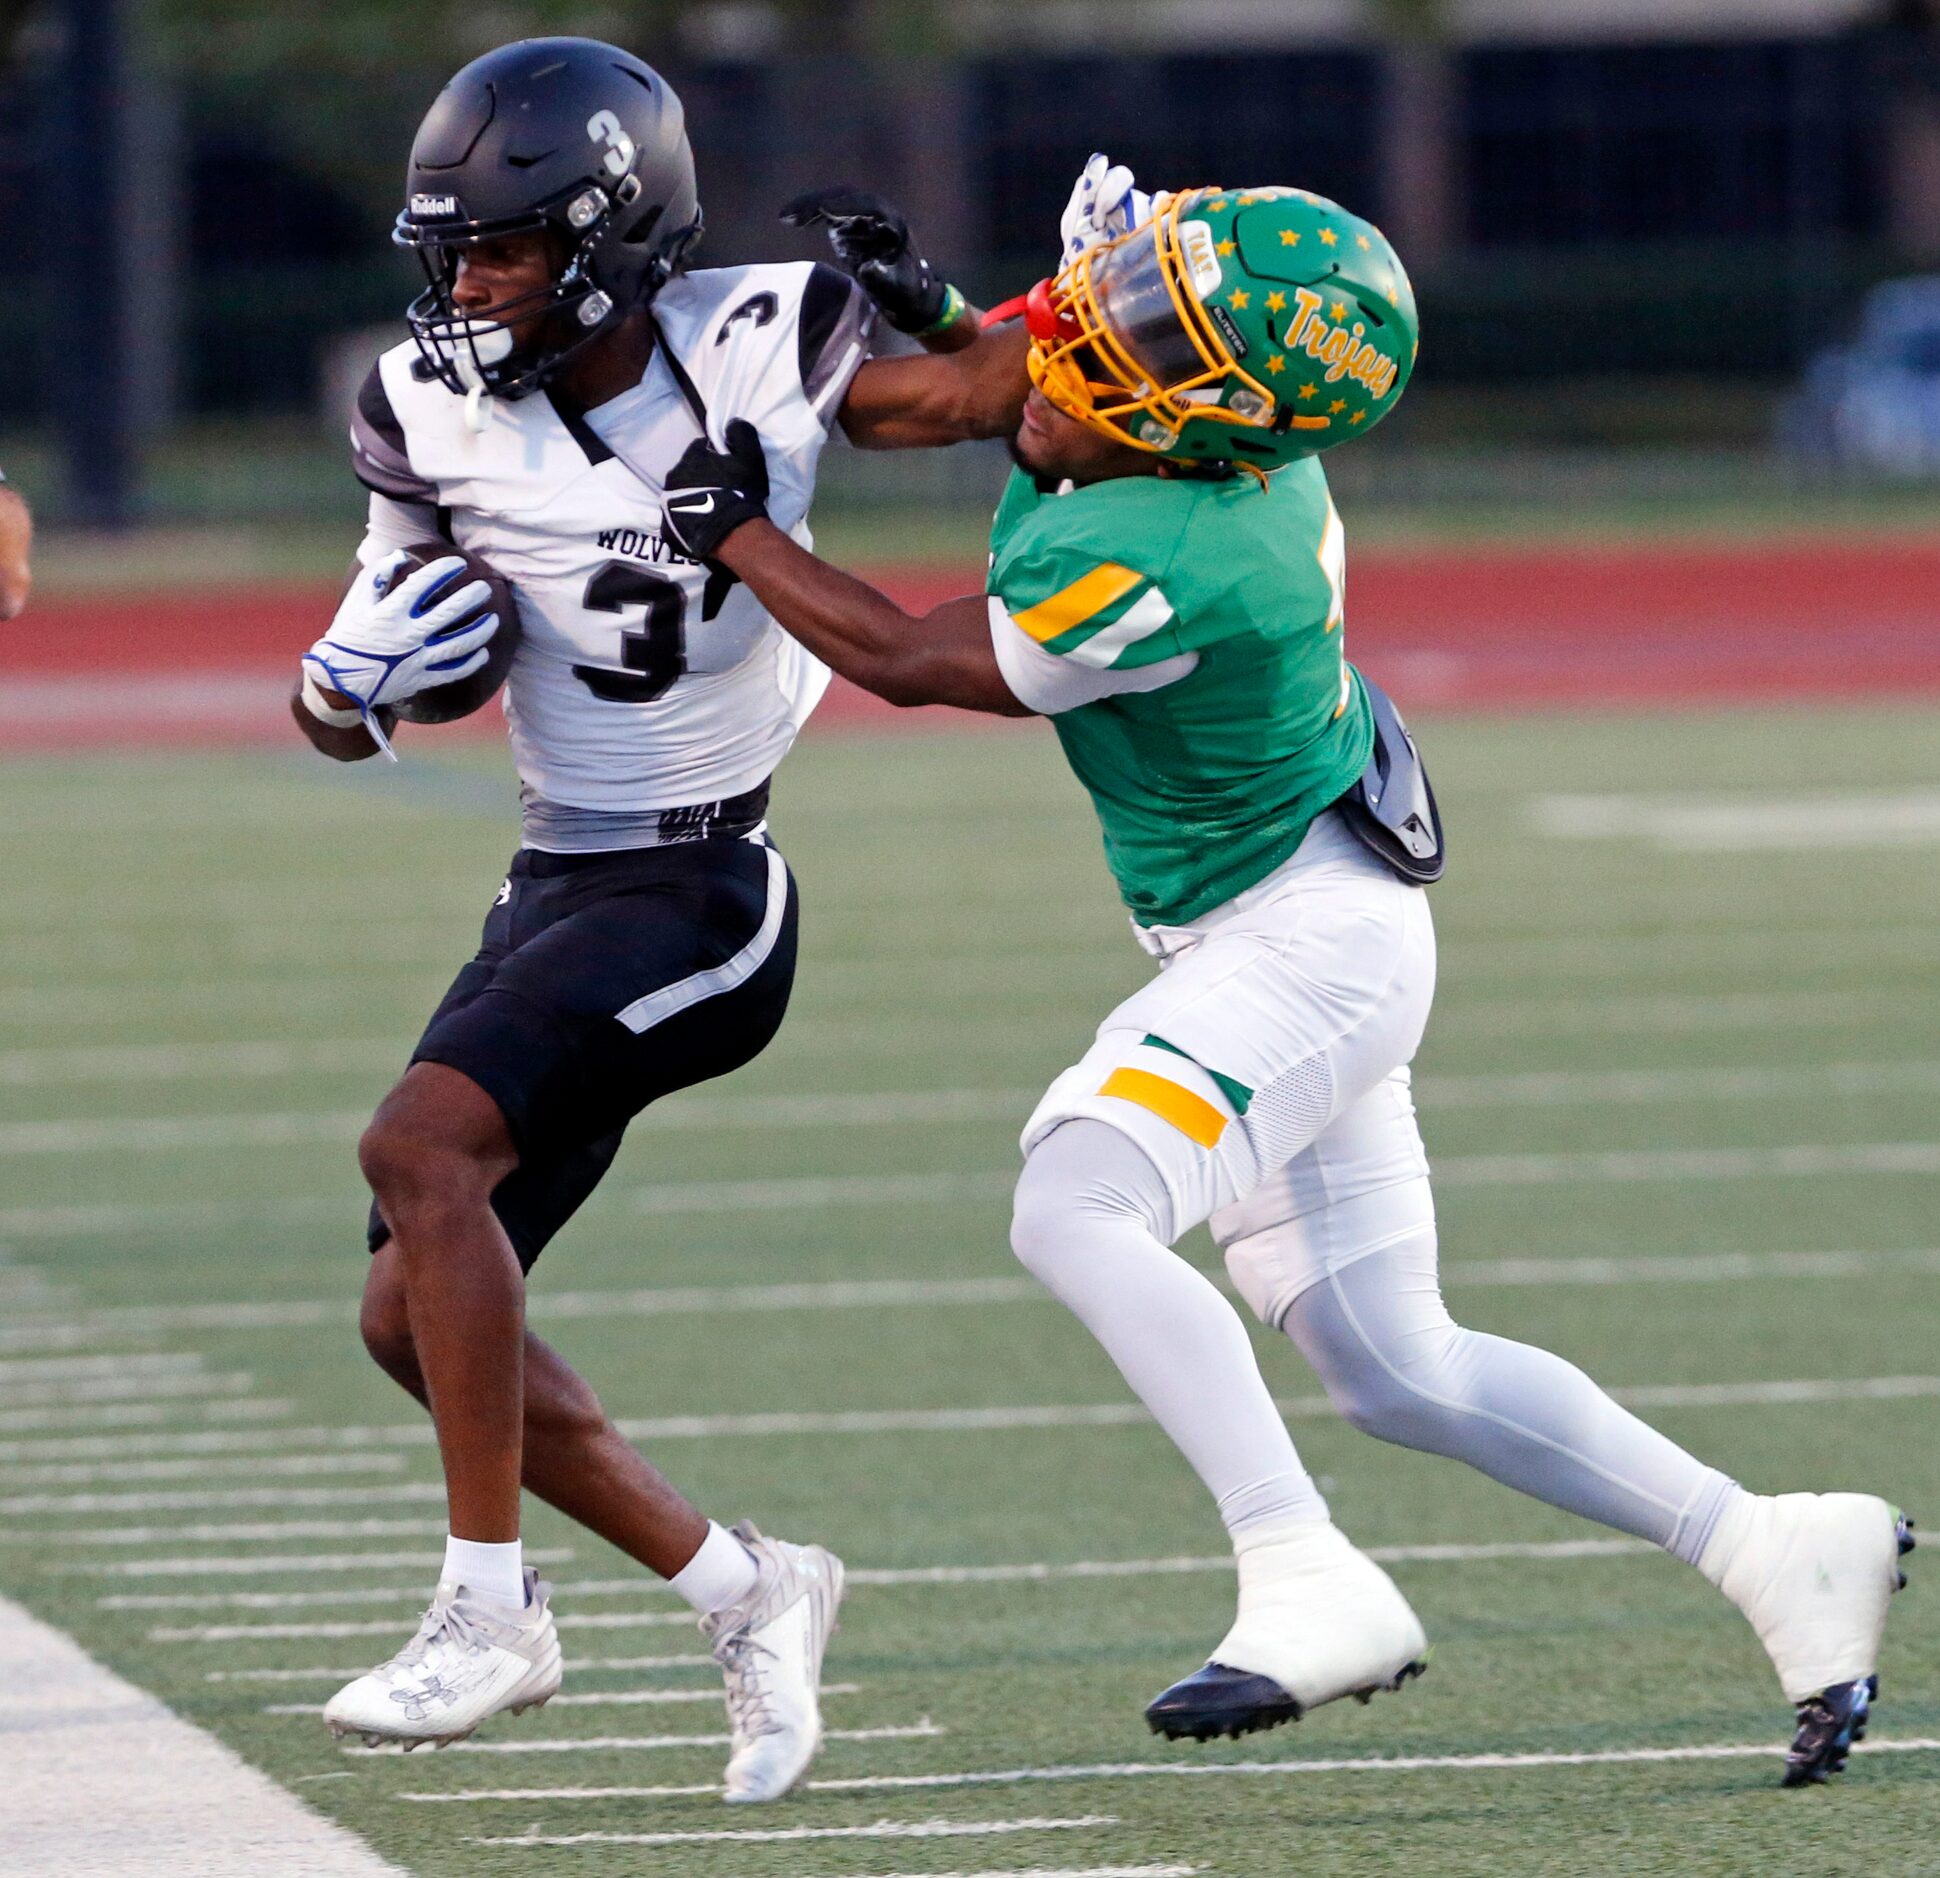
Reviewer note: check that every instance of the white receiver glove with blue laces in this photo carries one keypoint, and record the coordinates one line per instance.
(394, 638)
(1105, 203)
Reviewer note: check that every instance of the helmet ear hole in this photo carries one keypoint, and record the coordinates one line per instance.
(643, 225)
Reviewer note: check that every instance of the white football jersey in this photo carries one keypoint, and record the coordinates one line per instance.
(643, 681)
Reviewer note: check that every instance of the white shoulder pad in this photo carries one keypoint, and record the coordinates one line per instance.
(776, 344)
(392, 410)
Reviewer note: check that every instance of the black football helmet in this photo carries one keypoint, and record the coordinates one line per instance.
(570, 135)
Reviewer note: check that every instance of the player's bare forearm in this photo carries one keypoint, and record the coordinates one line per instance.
(347, 743)
(941, 657)
(921, 403)
(16, 543)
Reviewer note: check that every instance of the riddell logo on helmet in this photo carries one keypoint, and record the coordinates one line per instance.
(1341, 348)
(434, 206)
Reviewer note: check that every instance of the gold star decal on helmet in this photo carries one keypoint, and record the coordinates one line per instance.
(1239, 298)
(1276, 303)
(1246, 202)
(1328, 239)
(1362, 242)
(1226, 247)
(1310, 391)
(1277, 364)
(1337, 407)
(1357, 417)
(1216, 205)
(1289, 237)
(1340, 309)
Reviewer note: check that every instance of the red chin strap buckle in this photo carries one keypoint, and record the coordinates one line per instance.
(1040, 314)
(1004, 314)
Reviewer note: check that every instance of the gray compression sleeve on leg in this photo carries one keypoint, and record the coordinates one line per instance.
(1091, 1222)
(1398, 1366)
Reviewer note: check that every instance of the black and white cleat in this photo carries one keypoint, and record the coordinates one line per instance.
(1832, 1722)
(1828, 1726)
(1217, 1701)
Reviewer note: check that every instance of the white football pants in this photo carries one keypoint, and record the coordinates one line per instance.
(1261, 1082)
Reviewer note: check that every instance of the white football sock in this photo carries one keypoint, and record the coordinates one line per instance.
(721, 1573)
(493, 1571)
(1091, 1221)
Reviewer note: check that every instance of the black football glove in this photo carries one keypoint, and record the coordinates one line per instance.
(710, 493)
(872, 241)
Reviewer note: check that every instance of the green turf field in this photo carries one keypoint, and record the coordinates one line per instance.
(213, 963)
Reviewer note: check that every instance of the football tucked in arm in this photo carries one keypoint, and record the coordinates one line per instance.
(445, 704)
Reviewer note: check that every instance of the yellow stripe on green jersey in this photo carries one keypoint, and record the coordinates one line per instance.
(1073, 606)
(1206, 780)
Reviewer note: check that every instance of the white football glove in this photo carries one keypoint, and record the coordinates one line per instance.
(1105, 203)
(388, 643)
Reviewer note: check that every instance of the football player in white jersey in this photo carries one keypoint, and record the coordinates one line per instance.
(562, 355)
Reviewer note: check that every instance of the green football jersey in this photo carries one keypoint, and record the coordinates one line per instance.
(1185, 638)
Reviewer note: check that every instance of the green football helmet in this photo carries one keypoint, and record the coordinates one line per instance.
(1249, 326)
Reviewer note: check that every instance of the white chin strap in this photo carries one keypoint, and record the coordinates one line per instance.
(476, 343)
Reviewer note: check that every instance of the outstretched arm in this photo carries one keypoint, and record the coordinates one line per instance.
(919, 403)
(716, 511)
(940, 657)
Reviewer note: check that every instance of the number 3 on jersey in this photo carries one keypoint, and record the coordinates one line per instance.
(654, 653)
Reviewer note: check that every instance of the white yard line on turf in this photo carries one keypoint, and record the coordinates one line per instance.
(290, 1565)
(924, 1730)
(34, 1368)
(1066, 1871)
(144, 1414)
(776, 1835)
(935, 1293)
(213, 1535)
(1737, 823)
(1035, 1572)
(1183, 1770)
(1809, 1160)
(1001, 1419)
(926, 1107)
(102, 1778)
(341, 1673)
(258, 1600)
(171, 1134)
(259, 1633)
(142, 1386)
(122, 1064)
(1592, 1088)
(1705, 1268)
(830, 1190)
(268, 1466)
(396, 1494)
(209, 1441)
(595, 1698)
(1009, 1574)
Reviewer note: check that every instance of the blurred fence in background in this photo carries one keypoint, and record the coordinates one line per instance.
(1626, 237)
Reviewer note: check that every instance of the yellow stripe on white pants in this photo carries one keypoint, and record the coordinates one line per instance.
(1190, 1114)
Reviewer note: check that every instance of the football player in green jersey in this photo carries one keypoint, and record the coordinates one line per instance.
(1166, 585)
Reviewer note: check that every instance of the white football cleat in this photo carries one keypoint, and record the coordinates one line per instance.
(473, 1657)
(1814, 1572)
(1317, 1620)
(769, 1647)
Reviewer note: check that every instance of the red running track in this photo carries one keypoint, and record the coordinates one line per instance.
(1498, 630)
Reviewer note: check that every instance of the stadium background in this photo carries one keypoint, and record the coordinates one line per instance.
(1676, 683)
